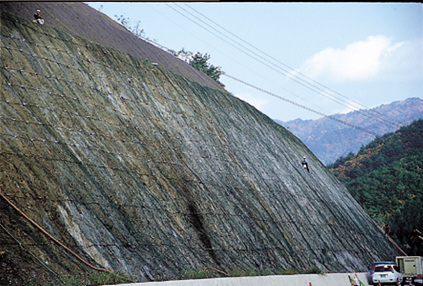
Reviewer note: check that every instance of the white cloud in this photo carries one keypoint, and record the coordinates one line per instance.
(358, 61)
(406, 62)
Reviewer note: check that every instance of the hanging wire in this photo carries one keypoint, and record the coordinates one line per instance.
(300, 105)
(292, 72)
(284, 69)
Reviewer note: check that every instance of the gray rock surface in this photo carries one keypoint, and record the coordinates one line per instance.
(139, 170)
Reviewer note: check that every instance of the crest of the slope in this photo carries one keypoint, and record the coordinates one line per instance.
(99, 28)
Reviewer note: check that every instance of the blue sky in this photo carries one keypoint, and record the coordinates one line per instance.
(330, 58)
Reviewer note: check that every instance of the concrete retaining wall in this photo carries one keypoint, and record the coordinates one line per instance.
(333, 279)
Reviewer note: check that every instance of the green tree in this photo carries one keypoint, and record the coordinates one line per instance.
(200, 62)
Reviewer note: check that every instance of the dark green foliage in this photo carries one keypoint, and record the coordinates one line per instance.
(386, 178)
(408, 220)
(200, 62)
(342, 160)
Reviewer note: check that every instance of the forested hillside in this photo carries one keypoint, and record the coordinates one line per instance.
(386, 178)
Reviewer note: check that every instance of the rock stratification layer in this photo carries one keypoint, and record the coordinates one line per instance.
(140, 170)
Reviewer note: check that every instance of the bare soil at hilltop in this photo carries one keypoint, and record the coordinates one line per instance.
(78, 18)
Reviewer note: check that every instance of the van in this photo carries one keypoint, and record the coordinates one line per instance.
(412, 268)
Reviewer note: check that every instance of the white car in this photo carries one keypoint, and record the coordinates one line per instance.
(386, 274)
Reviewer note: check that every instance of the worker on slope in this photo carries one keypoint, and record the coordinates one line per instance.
(305, 164)
(387, 230)
(37, 18)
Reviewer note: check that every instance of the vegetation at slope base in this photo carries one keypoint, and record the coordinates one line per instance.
(386, 178)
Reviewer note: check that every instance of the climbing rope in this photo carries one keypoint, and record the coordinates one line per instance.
(52, 237)
(390, 238)
(397, 245)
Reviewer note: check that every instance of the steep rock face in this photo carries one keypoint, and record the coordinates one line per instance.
(140, 170)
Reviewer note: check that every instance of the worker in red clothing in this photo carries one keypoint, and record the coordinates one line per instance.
(387, 229)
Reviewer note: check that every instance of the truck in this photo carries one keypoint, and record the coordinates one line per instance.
(411, 268)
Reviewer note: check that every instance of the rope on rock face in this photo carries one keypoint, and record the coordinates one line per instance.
(52, 237)
(68, 249)
(218, 271)
(390, 238)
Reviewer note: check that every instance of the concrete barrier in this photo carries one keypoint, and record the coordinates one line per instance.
(332, 279)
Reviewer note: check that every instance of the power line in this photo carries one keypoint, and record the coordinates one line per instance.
(299, 82)
(290, 69)
(284, 69)
(278, 96)
(302, 106)
(288, 72)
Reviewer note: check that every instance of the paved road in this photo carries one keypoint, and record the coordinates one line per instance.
(333, 279)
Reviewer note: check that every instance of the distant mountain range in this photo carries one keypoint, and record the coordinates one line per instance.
(329, 139)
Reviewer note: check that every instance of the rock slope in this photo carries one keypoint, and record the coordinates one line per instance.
(140, 170)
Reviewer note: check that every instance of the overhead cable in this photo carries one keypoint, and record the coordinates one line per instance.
(291, 70)
(300, 105)
(285, 99)
(285, 70)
